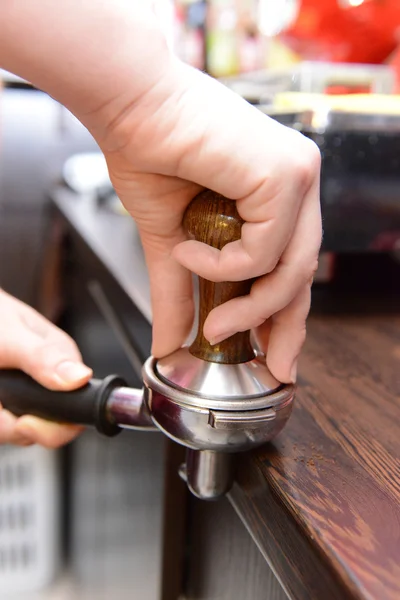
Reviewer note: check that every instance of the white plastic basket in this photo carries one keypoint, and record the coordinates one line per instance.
(29, 519)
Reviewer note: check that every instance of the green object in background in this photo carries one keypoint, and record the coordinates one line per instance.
(221, 38)
(222, 53)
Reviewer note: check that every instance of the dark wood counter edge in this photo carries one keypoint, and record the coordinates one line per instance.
(295, 558)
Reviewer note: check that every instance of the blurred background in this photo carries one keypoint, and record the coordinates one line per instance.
(88, 521)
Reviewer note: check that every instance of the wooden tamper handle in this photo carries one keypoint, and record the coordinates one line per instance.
(214, 220)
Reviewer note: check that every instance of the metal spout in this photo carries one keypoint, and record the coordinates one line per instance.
(209, 474)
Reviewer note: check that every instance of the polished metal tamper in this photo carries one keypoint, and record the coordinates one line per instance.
(222, 399)
(215, 400)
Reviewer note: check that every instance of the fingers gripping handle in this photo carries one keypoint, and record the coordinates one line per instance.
(214, 220)
(21, 395)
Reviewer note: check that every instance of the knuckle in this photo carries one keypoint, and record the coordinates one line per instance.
(41, 356)
(313, 271)
(48, 353)
(258, 316)
(70, 346)
(313, 154)
(62, 341)
(306, 162)
(306, 269)
(269, 264)
(301, 336)
(314, 266)
(260, 308)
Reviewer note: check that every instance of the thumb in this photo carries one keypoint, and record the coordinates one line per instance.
(53, 361)
(51, 357)
(31, 343)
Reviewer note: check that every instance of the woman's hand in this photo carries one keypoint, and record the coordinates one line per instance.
(167, 132)
(31, 343)
(189, 132)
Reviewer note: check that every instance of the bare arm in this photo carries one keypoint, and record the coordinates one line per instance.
(87, 54)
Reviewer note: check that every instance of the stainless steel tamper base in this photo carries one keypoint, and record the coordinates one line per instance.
(214, 410)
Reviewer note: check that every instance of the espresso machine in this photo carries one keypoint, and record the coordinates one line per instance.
(214, 400)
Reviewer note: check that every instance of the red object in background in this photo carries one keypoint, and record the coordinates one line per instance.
(325, 30)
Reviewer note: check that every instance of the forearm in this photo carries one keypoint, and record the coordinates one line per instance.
(91, 55)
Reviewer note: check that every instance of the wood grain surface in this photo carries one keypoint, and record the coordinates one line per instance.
(212, 219)
(323, 501)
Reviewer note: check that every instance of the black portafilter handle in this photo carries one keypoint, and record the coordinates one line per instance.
(21, 395)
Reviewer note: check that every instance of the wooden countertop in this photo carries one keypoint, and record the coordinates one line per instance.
(323, 501)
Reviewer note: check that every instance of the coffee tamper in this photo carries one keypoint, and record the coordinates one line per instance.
(215, 400)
